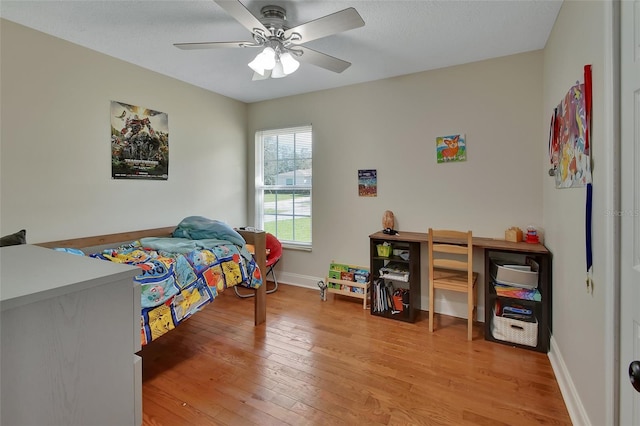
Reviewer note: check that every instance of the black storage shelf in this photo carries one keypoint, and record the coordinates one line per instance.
(542, 308)
(412, 285)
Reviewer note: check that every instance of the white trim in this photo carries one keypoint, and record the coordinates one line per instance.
(261, 187)
(576, 409)
(258, 195)
(284, 130)
(451, 308)
(299, 280)
(611, 232)
(290, 245)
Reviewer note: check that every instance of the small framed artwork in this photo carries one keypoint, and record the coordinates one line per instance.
(368, 183)
(451, 148)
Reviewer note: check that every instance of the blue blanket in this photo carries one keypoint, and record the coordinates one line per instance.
(201, 228)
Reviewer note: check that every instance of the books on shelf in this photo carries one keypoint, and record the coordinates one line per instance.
(389, 300)
(517, 292)
(514, 311)
(340, 275)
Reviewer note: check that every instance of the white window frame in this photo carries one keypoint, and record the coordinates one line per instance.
(260, 187)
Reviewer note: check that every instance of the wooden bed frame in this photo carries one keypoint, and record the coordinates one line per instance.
(257, 238)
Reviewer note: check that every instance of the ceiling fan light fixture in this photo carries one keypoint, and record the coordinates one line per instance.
(256, 65)
(265, 60)
(282, 43)
(278, 71)
(268, 58)
(288, 62)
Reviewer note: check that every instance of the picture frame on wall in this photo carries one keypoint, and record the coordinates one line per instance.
(451, 148)
(139, 142)
(368, 183)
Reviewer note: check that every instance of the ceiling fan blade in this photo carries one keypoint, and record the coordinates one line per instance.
(212, 45)
(242, 15)
(322, 60)
(343, 20)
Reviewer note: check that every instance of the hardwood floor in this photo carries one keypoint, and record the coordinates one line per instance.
(332, 363)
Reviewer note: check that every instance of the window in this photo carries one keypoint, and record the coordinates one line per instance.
(283, 184)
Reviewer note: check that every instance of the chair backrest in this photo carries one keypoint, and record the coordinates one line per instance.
(275, 248)
(457, 247)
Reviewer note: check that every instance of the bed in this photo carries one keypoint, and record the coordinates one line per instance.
(181, 270)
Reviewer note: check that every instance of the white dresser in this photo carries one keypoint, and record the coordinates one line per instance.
(69, 330)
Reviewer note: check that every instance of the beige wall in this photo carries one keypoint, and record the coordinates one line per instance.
(55, 170)
(391, 125)
(55, 150)
(583, 328)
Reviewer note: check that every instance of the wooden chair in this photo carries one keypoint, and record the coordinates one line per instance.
(451, 268)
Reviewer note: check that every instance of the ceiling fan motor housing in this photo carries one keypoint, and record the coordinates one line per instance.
(274, 17)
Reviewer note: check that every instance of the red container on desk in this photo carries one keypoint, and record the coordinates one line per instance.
(532, 235)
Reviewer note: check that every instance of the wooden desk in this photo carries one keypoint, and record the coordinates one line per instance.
(481, 242)
(492, 248)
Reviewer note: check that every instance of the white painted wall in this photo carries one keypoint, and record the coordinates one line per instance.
(583, 326)
(391, 125)
(55, 144)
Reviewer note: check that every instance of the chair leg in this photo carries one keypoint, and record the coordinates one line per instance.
(431, 306)
(244, 296)
(470, 315)
(275, 281)
(274, 289)
(474, 309)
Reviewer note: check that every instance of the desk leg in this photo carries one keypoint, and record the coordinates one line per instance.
(261, 304)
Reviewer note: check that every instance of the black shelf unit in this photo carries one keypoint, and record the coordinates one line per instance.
(413, 285)
(541, 309)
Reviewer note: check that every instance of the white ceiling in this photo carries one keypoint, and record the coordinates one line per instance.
(399, 37)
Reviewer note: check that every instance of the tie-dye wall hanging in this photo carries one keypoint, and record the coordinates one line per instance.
(569, 150)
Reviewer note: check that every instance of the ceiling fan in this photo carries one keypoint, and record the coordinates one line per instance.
(282, 46)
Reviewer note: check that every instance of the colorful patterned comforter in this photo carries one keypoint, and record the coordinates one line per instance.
(179, 276)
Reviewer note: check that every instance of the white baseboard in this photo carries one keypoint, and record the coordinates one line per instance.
(569, 393)
(452, 308)
(299, 280)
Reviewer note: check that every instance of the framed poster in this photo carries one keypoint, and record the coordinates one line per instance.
(139, 142)
(368, 183)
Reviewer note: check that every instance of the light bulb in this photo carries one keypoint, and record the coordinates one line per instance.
(265, 60)
(289, 64)
(256, 65)
(268, 58)
(277, 71)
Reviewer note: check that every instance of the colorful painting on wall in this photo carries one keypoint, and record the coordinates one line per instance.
(451, 148)
(139, 143)
(569, 138)
(368, 183)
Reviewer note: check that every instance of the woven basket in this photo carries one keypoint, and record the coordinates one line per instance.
(514, 331)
